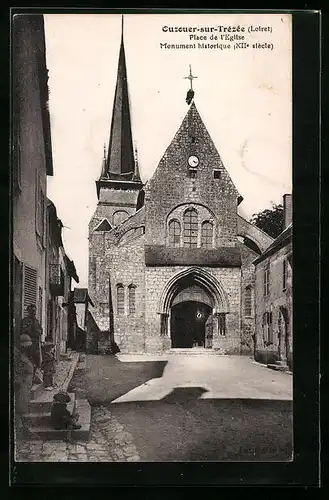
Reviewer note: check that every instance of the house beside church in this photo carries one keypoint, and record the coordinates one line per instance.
(31, 164)
(273, 298)
(171, 261)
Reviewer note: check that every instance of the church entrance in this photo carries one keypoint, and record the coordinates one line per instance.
(191, 325)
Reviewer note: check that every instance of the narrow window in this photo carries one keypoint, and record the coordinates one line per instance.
(265, 332)
(206, 234)
(192, 172)
(284, 274)
(267, 280)
(132, 299)
(270, 329)
(119, 216)
(267, 328)
(222, 324)
(190, 234)
(217, 174)
(247, 301)
(174, 233)
(120, 299)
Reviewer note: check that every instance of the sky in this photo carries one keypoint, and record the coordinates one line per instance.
(244, 97)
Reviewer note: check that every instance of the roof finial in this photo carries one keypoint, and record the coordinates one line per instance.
(190, 93)
(122, 28)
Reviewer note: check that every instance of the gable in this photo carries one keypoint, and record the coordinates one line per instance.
(103, 226)
(192, 139)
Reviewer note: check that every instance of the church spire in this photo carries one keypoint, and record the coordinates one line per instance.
(136, 172)
(120, 162)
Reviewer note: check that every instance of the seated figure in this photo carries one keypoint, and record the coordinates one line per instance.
(61, 418)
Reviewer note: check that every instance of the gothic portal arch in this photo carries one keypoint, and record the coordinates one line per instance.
(205, 300)
(197, 276)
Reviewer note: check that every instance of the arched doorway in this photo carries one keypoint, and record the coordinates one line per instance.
(284, 344)
(188, 320)
(191, 306)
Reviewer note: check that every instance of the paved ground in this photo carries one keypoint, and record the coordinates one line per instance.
(179, 408)
(108, 443)
(220, 377)
(210, 409)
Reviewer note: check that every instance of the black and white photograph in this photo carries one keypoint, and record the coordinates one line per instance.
(152, 257)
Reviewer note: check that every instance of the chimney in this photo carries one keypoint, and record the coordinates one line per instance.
(287, 209)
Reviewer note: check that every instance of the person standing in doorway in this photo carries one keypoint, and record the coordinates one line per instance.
(30, 326)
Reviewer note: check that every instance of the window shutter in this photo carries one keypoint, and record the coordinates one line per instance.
(29, 286)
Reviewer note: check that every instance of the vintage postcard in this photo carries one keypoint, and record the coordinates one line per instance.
(152, 237)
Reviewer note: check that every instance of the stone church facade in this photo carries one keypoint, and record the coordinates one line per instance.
(171, 261)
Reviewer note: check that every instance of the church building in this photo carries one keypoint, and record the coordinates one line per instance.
(171, 261)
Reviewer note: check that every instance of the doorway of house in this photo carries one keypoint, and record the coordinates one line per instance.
(188, 325)
(284, 334)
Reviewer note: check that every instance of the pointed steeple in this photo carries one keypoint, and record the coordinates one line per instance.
(120, 162)
(136, 172)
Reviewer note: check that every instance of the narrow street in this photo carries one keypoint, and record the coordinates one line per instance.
(176, 408)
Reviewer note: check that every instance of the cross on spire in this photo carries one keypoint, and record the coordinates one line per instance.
(191, 78)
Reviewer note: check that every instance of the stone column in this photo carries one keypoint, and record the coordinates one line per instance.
(164, 324)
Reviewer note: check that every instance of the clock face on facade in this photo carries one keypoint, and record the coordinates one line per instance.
(193, 161)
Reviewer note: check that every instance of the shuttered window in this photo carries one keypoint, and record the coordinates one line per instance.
(29, 286)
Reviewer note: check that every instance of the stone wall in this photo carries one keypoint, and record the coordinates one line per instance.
(247, 279)
(278, 296)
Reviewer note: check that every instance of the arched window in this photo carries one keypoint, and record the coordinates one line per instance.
(174, 233)
(190, 234)
(132, 299)
(206, 234)
(247, 301)
(120, 299)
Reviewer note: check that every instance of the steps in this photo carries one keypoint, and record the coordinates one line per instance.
(279, 366)
(196, 351)
(39, 418)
